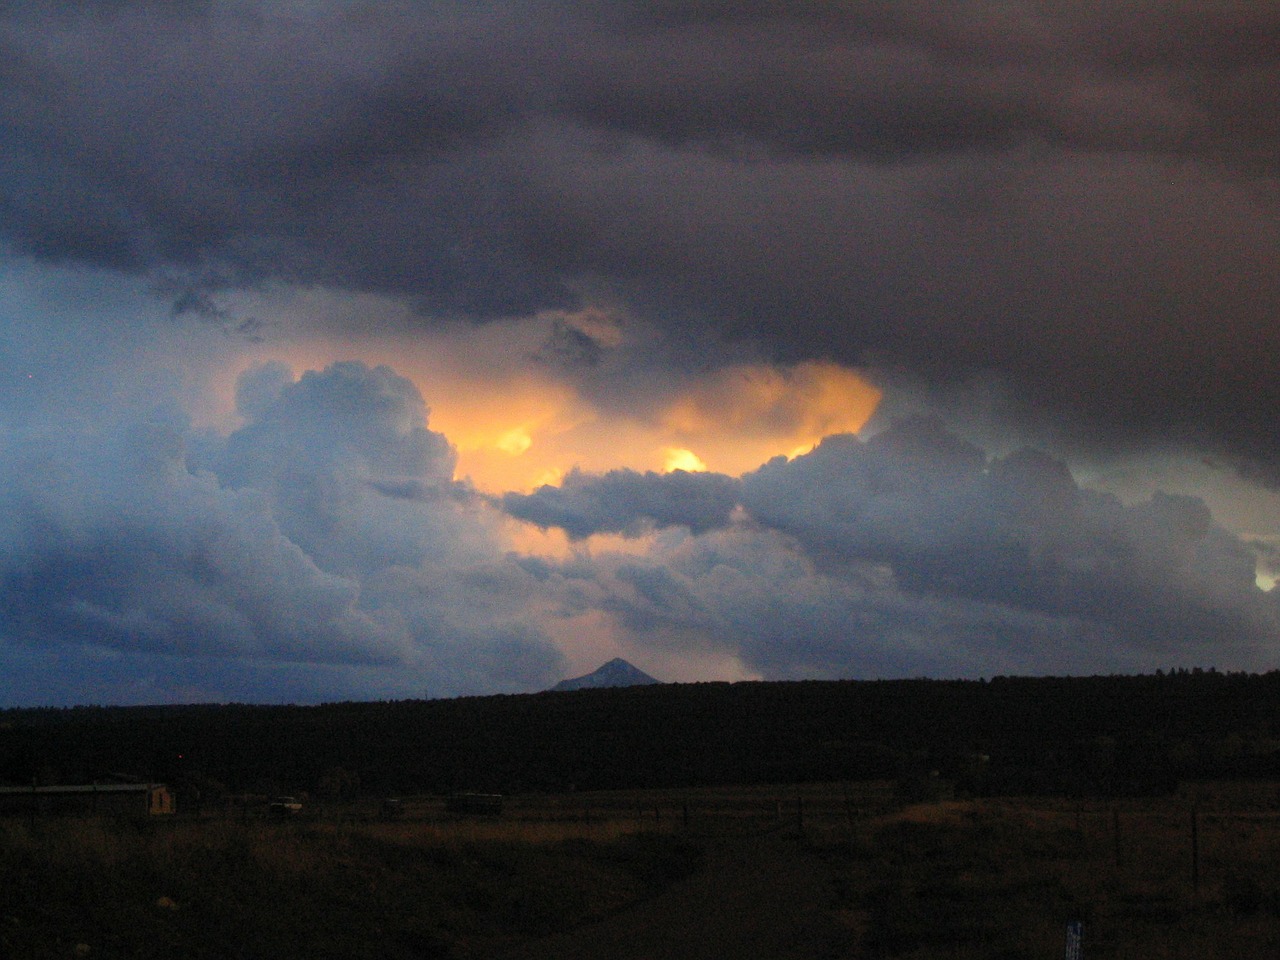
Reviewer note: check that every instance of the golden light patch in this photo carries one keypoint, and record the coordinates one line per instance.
(548, 478)
(506, 417)
(809, 398)
(677, 458)
(520, 429)
(517, 423)
(515, 442)
(734, 419)
(530, 540)
(742, 416)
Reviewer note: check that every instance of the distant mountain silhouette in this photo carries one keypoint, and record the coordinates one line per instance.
(616, 673)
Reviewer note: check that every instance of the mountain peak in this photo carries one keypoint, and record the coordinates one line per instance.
(616, 673)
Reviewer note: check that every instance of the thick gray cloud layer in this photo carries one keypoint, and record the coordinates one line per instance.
(1078, 199)
(280, 558)
(112, 543)
(1061, 217)
(627, 502)
(323, 550)
(912, 553)
(1019, 533)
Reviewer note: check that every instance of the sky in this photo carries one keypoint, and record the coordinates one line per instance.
(360, 351)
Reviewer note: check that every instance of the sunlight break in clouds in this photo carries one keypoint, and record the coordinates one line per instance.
(738, 417)
(579, 236)
(730, 420)
(679, 459)
(518, 421)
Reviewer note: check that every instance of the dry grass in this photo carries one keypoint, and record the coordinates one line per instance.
(989, 879)
(985, 879)
(248, 889)
(497, 830)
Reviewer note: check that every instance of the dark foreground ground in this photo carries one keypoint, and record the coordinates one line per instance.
(816, 871)
(755, 895)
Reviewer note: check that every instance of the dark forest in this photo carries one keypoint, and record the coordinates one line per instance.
(1093, 736)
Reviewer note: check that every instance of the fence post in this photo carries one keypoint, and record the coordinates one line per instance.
(1115, 829)
(1075, 941)
(1195, 850)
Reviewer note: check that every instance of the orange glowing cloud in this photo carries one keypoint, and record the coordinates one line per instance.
(680, 459)
(517, 424)
(504, 432)
(732, 421)
(739, 417)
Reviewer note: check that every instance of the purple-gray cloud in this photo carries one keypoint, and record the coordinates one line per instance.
(1058, 223)
(1077, 200)
(110, 542)
(121, 546)
(628, 502)
(322, 549)
(914, 553)
(1017, 532)
(321, 444)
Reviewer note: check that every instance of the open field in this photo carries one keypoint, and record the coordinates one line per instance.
(1000, 878)
(229, 888)
(799, 871)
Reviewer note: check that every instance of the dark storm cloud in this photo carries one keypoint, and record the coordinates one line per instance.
(628, 502)
(318, 446)
(365, 488)
(1018, 533)
(914, 553)
(1077, 200)
(754, 593)
(568, 348)
(126, 546)
(356, 149)
(109, 542)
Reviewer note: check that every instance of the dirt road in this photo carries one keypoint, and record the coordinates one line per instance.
(761, 897)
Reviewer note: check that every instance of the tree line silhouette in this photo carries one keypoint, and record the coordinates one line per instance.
(1099, 736)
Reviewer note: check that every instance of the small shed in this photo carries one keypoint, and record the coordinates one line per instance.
(90, 799)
